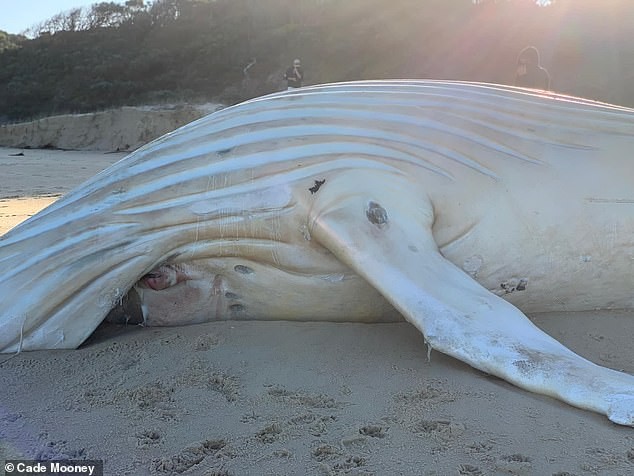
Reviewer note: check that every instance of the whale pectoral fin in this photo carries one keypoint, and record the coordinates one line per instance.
(389, 242)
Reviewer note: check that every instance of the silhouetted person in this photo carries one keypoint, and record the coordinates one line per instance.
(530, 73)
(294, 75)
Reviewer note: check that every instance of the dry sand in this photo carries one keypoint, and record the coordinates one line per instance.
(286, 398)
(32, 179)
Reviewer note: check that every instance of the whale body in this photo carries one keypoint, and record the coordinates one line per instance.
(456, 206)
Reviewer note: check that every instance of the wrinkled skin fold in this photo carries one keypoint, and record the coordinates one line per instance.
(457, 206)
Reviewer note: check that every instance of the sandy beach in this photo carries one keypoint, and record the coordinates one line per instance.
(288, 398)
(33, 179)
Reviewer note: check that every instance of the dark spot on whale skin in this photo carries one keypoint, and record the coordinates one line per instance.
(242, 269)
(315, 188)
(236, 308)
(529, 361)
(230, 295)
(224, 151)
(513, 285)
(376, 214)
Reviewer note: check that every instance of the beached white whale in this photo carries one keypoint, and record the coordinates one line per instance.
(451, 204)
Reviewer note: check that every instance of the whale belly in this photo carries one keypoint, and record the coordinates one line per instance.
(560, 259)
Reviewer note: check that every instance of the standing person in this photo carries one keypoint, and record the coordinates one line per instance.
(530, 73)
(294, 75)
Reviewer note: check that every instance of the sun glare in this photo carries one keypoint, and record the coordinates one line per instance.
(16, 210)
(541, 3)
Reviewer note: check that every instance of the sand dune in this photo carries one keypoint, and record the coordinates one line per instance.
(126, 128)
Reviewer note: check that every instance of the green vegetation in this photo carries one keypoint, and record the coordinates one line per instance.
(8, 41)
(196, 50)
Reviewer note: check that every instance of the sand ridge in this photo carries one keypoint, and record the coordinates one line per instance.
(120, 129)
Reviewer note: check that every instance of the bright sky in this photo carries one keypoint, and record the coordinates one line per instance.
(18, 15)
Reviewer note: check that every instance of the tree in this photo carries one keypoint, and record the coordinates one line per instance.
(9, 41)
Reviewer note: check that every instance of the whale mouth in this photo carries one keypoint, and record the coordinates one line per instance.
(128, 311)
